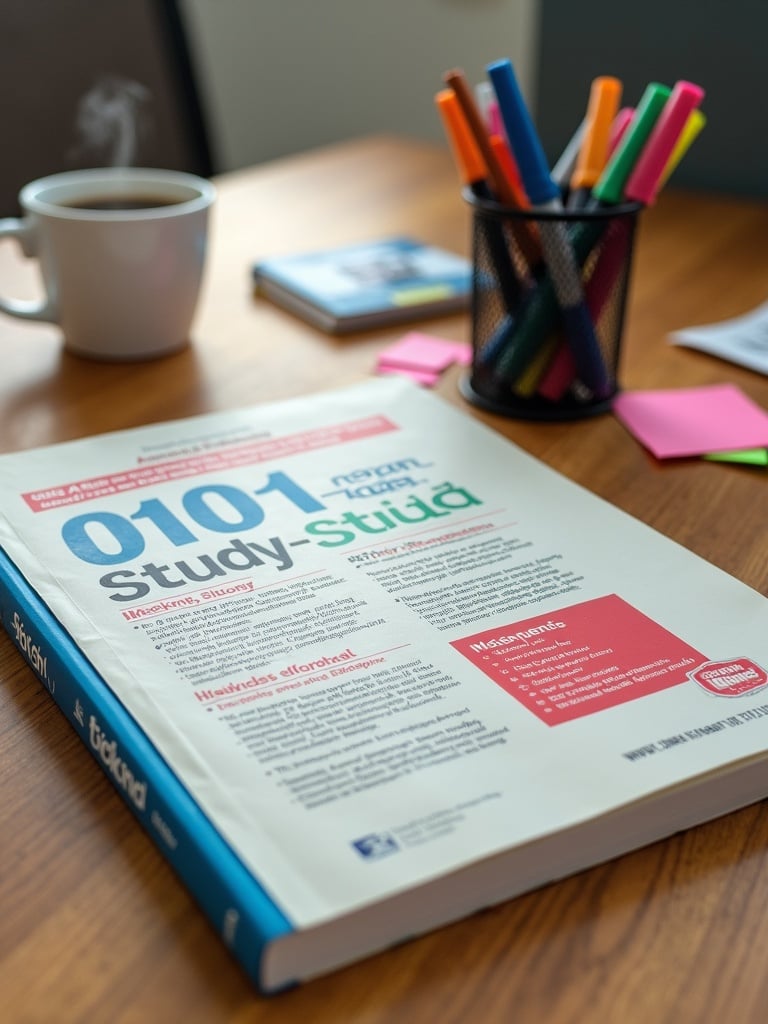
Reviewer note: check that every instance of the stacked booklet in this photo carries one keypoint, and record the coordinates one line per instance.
(364, 285)
(361, 667)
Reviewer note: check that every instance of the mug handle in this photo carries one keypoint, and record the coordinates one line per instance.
(27, 309)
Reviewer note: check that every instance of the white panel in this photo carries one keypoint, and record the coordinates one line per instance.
(280, 76)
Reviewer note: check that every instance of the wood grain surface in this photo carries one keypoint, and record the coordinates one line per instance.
(94, 926)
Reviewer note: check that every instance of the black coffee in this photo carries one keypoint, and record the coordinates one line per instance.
(125, 202)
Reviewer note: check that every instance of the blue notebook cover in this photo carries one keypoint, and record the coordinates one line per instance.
(367, 284)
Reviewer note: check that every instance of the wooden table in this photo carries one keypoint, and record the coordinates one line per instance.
(93, 924)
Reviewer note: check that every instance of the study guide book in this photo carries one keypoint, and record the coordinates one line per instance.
(361, 667)
(368, 284)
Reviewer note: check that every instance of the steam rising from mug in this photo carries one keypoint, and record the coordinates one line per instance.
(111, 119)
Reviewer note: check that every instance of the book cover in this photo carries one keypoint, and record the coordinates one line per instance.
(226, 891)
(364, 285)
(362, 667)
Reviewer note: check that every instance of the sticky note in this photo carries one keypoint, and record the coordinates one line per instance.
(424, 377)
(679, 422)
(748, 456)
(425, 352)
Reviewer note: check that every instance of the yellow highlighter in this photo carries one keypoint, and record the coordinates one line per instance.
(694, 124)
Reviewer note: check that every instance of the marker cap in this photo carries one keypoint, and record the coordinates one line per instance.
(694, 124)
(521, 134)
(507, 161)
(643, 183)
(466, 153)
(604, 98)
(610, 187)
(620, 124)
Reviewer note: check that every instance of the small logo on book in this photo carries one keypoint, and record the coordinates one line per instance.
(377, 844)
(733, 678)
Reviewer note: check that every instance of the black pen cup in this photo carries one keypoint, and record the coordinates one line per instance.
(549, 293)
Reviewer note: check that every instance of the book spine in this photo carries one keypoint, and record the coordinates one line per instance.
(240, 910)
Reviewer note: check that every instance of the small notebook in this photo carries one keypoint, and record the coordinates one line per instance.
(354, 287)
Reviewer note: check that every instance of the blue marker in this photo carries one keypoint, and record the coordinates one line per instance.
(556, 245)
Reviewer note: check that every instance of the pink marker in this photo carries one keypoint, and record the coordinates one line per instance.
(646, 175)
(619, 126)
(494, 119)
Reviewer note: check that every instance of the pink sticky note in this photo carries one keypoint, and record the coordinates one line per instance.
(424, 377)
(462, 353)
(420, 352)
(680, 422)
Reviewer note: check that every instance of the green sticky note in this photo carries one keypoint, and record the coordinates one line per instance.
(750, 456)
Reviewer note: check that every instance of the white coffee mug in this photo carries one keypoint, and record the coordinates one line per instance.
(122, 253)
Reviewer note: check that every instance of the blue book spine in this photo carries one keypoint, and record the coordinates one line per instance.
(234, 901)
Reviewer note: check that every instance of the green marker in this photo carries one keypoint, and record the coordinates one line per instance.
(517, 342)
(610, 186)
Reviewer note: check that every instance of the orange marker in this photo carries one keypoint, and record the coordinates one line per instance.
(469, 160)
(498, 182)
(497, 178)
(694, 124)
(507, 162)
(604, 99)
(474, 174)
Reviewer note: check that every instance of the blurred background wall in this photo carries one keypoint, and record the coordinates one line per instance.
(279, 76)
(283, 74)
(213, 85)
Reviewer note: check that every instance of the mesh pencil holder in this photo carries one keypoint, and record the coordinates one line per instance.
(549, 294)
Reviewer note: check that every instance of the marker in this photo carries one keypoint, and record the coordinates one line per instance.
(467, 157)
(539, 318)
(695, 123)
(529, 380)
(610, 264)
(609, 189)
(659, 134)
(488, 107)
(563, 169)
(508, 165)
(458, 82)
(644, 181)
(522, 136)
(544, 196)
(456, 79)
(474, 175)
(604, 98)
(619, 126)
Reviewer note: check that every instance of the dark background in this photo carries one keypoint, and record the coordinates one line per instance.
(721, 45)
